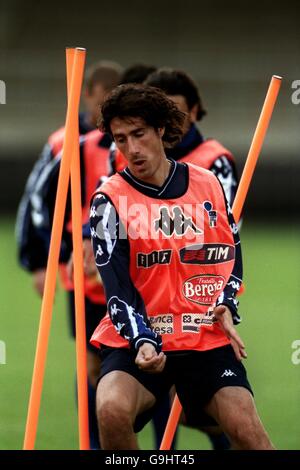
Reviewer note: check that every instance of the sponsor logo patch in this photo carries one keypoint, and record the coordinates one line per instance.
(203, 289)
(191, 322)
(211, 253)
(162, 324)
(146, 260)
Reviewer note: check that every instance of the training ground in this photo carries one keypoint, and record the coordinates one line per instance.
(271, 323)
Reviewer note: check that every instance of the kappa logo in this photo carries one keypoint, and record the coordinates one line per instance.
(228, 373)
(203, 289)
(114, 310)
(207, 254)
(176, 223)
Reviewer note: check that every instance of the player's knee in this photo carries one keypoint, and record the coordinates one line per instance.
(246, 435)
(241, 437)
(113, 416)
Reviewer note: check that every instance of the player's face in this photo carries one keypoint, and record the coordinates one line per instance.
(191, 114)
(141, 145)
(93, 100)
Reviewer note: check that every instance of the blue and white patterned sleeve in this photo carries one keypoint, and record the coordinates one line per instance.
(32, 237)
(225, 171)
(228, 296)
(112, 254)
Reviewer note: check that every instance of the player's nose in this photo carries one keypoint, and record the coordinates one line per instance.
(133, 147)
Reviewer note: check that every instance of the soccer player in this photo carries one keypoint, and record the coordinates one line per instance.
(193, 148)
(35, 214)
(169, 255)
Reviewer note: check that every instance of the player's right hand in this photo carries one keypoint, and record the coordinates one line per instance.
(148, 360)
(224, 317)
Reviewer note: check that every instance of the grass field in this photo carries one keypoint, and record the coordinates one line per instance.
(271, 322)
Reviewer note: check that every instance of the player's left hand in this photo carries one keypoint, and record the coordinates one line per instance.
(89, 266)
(224, 317)
(148, 360)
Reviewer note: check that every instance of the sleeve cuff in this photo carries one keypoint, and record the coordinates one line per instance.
(156, 341)
(235, 316)
(86, 231)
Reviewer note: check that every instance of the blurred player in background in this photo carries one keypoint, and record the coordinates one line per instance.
(33, 243)
(36, 209)
(34, 219)
(194, 147)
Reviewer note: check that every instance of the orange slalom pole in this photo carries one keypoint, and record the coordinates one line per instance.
(256, 145)
(52, 265)
(81, 355)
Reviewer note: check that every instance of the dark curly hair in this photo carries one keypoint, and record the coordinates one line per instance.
(176, 82)
(147, 103)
